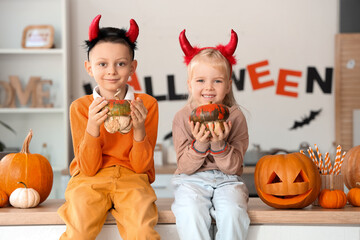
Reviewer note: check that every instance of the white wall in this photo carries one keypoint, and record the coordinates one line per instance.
(291, 35)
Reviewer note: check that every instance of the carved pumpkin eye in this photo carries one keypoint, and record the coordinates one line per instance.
(274, 178)
(301, 177)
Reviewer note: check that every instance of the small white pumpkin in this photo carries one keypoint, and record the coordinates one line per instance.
(24, 197)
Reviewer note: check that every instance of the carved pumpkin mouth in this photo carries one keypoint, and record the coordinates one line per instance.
(288, 199)
(292, 196)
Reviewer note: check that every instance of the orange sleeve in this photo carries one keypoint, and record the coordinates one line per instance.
(87, 149)
(142, 153)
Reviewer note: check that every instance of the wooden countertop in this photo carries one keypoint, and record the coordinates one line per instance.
(259, 212)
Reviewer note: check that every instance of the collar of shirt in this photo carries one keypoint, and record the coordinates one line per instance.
(128, 96)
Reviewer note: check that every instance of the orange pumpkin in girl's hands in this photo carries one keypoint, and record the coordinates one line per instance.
(32, 169)
(212, 115)
(4, 199)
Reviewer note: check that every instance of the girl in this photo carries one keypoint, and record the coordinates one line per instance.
(207, 181)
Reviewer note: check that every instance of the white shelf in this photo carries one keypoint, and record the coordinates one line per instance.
(49, 125)
(30, 51)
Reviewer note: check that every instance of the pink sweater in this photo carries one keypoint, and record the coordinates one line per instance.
(226, 156)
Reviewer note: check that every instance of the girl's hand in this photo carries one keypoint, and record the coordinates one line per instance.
(96, 116)
(222, 134)
(199, 132)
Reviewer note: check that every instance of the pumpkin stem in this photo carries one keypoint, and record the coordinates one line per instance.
(25, 147)
(22, 184)
(116, 95)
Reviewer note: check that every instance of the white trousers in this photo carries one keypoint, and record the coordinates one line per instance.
(203, 195)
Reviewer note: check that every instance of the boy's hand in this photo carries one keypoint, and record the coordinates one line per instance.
(138, 113)
(199, 132)
(222, 134)
(138, 116)
(97, 115)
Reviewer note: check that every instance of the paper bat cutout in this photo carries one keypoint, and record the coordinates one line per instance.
(306, 120)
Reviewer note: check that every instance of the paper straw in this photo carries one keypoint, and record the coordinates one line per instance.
(340, 163)
(302, 151)
(327, 164)
(312, 158)
(337, 159)
(320, 159)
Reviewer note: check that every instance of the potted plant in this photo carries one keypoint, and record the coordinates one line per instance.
(2, 145)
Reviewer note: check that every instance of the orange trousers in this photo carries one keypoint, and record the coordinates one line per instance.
(128, 195)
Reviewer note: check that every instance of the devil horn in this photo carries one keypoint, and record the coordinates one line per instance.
(231, 46)
(94, 28)
(133, 31)
(185, 45)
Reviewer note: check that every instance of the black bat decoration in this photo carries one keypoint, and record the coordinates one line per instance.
(306, 120)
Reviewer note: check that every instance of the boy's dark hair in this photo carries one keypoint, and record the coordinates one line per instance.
(113, 35)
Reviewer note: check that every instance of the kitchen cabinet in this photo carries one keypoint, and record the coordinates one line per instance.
(49, 125)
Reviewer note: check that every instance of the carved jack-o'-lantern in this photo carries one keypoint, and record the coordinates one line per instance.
(287, 180)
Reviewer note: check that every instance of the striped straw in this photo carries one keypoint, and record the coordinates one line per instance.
(320, 159)
(340, 163)
(337, 160)
(302, 151)
(327, 164)
(312, 158)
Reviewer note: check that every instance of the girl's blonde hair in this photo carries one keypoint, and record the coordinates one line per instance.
(216, 59)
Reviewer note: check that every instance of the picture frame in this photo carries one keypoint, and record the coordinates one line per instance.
(38, 36)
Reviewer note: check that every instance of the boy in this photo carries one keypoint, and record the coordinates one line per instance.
(111, 171)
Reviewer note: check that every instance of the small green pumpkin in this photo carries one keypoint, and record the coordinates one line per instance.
(118, 119)
(118, 107)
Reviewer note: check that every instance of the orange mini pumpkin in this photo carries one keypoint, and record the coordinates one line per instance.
(4, 199)
(350, 168)
(330, 198)
(32, 169)
(353, 195)
(287, 180)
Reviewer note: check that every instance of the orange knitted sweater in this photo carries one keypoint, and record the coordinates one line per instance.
(94, 153)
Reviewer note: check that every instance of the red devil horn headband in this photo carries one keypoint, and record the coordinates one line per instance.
(132, 33)
(94, 28)
(231, 46)
(227, 51)
(185, 45)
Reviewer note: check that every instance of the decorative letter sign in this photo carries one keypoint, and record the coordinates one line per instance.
(34, 89)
